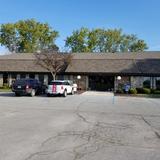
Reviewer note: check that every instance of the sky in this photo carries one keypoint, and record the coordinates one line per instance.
(140, 17)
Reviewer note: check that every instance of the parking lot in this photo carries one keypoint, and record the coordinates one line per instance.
(89, 126)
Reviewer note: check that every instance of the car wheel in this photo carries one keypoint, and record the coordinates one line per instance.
(65, 93)
(17, 94)
(48, 95)
(72, 92)
(33, 93)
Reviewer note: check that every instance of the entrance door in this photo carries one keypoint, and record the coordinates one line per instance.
(5, 78)
(101, 83)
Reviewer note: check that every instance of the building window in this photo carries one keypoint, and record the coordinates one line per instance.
(18, 76)
(147, 82)
(60, 77)
(32, 75)
(37, 76)
(27, 75)
(23, 75)
(158, 83)
(41, 78)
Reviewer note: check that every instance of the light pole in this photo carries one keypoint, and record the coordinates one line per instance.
(78, 78)
(118, 78)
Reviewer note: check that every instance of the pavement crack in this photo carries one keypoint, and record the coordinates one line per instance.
(82, 118)
(80, 115)
(146, 121)
(43, 153)
(153, 129)
(157, 134)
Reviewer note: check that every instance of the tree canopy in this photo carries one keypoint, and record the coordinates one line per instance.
(30, 36)
(27, 36)
(102, 40)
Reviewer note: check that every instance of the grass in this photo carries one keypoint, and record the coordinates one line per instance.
(5, 90)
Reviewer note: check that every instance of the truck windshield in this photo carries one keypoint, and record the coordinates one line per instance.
(56, 83)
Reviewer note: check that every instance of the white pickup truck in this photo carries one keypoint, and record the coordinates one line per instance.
(60, 87)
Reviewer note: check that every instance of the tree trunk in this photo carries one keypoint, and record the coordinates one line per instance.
(53, 76)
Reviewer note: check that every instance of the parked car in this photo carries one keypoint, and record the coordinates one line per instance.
(27, 87)
(60, 87)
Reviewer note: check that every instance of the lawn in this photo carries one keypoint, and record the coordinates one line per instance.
(5, 90)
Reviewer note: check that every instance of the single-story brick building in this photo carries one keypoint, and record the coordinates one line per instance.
(98, 71)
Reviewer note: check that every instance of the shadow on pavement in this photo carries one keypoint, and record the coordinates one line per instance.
(7, 94)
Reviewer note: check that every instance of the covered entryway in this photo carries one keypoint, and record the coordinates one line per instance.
(101, 83)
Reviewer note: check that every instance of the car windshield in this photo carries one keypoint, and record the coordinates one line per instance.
(23, 81)
(20, 82)
(55, 83)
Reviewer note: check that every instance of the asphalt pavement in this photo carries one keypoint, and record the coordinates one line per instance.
(89, 126)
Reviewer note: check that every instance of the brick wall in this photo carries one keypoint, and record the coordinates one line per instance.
(137, 81)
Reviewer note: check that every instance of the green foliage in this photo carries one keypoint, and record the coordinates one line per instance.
(156, 92)
(5, 86)
(120, 91)
(101, 40)
(132, 91)
(144, 90)
(78, 41)
(146, 84)
(27, 36)
(140, 90)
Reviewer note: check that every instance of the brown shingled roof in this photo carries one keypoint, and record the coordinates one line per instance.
(137, 63)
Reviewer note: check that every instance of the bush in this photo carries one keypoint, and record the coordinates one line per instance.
(140, 90)
(133, 91)
(156, 92)
(146, 91)
(153, 91)
(120, 91)
(5, 86)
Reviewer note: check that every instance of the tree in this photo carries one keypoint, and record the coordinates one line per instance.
(77, 42)
(130, 43)
(101, 40)
(27, 36)
(54, 62)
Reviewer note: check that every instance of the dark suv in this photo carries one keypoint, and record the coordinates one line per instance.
(27, 87)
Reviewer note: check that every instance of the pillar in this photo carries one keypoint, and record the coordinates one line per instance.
(87, 82)
(1, 80)
(46, 79)
(9, 80)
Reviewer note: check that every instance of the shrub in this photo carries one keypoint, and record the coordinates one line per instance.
(153, 91)
(5, 86)
(133, 91)
(156, 92)
(146, 91)
(120, 91)
(140, 90)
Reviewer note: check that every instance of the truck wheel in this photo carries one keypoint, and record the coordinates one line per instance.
(65, 93)
(72, 92)
(17, 94)
(48, 95)
(33, 93)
